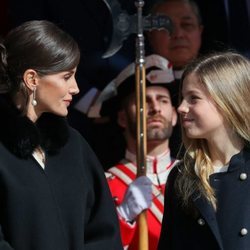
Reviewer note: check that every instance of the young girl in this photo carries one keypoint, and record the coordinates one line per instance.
(208, 195)
(53, 192)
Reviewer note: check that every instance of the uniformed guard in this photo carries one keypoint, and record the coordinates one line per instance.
(133, 195)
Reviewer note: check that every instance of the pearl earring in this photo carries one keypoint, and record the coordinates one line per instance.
(34, 102)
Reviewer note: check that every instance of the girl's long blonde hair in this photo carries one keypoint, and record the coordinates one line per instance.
(226, 77)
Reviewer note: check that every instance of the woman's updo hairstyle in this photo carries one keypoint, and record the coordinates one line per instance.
(38, 45)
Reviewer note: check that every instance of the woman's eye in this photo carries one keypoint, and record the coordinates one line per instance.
(66, 77)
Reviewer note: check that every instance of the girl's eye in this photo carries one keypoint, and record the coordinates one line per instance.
(194, 98)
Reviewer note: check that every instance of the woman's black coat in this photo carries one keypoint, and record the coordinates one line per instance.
(226, 229)
(67, 205)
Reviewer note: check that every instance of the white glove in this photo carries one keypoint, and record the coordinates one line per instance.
(137, 198)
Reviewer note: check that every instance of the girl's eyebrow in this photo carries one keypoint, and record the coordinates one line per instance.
(189, 92)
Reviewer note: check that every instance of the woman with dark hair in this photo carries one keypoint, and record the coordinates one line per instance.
(53, 191)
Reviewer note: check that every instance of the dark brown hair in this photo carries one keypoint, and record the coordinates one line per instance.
(38, 45)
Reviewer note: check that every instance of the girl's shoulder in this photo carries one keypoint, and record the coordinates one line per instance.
(176, 171)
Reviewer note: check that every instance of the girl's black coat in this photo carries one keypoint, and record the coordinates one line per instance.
(226, 229)
(67, 206)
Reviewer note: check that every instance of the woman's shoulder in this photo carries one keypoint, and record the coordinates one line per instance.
(80, 144)
(76, 136)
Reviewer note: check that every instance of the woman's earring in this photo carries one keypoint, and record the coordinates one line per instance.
(34, 102)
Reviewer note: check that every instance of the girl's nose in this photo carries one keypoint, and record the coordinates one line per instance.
(183, 108)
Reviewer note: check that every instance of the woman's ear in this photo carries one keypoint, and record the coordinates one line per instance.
(30, 79)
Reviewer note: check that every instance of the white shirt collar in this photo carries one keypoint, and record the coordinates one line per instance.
(158, 167)
(155, 164)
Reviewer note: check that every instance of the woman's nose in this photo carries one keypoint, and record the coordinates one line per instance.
(74, 88)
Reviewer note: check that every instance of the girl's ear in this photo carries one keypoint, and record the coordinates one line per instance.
(30, 79)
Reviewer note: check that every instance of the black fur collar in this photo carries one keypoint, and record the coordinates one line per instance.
(21, 136)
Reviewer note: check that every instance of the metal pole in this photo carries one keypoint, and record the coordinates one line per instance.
(141, 119)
